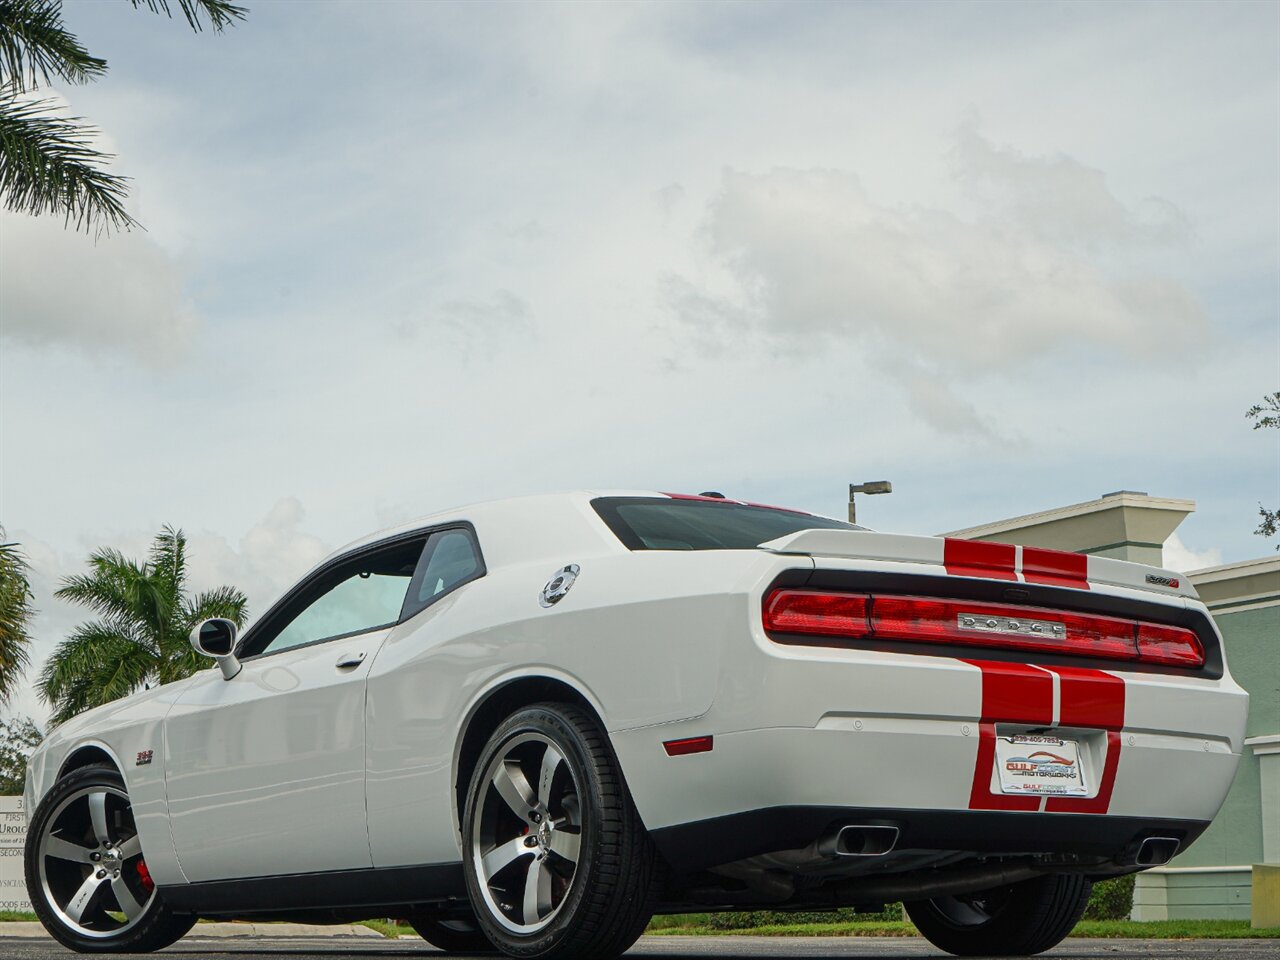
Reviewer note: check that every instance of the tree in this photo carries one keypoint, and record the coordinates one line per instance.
(1266, 415)
(48, 163)
(15, 613)
(140, 635)
(18, 737)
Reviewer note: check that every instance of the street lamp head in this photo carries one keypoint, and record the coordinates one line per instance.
(874, 486)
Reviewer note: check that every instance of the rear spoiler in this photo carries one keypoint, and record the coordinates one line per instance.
(980, 558)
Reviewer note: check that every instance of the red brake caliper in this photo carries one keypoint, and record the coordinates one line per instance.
(144, 876)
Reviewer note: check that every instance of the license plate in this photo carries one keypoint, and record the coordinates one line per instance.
(1040, 765)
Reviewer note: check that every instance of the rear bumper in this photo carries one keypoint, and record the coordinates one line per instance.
(709, 843)
(906, 738)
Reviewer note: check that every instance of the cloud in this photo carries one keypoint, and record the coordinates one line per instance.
(808, 261)
(1058, 200)
(120, 293)
(471, 325)
(1178, 556)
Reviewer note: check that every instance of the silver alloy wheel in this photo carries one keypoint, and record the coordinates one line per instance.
(525, 838)
(89, 863)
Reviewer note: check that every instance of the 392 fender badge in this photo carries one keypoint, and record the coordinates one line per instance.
(144, 757)
(558, 585)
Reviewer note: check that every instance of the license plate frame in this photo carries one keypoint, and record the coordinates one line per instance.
(1040, 765)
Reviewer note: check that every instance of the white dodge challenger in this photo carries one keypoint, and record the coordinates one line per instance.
(526, 725)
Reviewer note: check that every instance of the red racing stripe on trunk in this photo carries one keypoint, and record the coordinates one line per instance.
(1011, 693)
(978, 558)
(1055, 567)
(1092, 699)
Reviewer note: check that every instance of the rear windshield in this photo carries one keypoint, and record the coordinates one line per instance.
(658, 523)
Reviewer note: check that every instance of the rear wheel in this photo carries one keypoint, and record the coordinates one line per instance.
(1012, 921)
(88, 881)
(558, 864)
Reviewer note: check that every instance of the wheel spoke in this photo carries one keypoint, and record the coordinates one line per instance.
(98, 814)
(537, 892)
(128, 902)
(566, 845)
(551, 761)
(79, 903)
(509, 780)
(129, 848)
(61, 849)
(502, 855)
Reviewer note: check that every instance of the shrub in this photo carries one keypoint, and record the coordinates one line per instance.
(1111, 899)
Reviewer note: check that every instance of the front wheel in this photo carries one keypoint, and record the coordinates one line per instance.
(1017, 920)
(557, 862)
(85, 872)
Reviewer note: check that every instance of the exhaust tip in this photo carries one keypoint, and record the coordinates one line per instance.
(857, 840)
(1157, 851)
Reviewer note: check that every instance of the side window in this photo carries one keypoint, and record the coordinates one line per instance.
(355, 597)
(449, 560)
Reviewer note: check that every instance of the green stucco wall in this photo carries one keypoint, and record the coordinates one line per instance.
(1195, 886)
(1253, 655)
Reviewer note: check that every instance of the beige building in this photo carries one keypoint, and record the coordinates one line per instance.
(1233, 870)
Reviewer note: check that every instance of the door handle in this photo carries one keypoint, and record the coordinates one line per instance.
(349, 660)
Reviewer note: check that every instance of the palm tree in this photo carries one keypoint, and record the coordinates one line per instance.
(140, 636)
(15, 614)
(48, 163)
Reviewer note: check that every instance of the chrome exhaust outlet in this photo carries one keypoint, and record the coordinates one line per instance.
(1156, 851)
(859, 840)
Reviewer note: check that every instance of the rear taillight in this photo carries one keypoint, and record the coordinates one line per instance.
(822, 614)
(1175, 646)
(1000, 626)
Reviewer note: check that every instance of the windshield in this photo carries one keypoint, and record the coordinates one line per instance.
(659, 523)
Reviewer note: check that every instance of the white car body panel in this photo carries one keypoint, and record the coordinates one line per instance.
(298, 767)
(269, 768)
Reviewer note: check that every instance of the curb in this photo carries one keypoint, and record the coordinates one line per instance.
(264, 931)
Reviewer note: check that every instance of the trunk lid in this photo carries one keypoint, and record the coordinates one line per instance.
(985, 560)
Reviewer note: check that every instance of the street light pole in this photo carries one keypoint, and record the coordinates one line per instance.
(872, 487)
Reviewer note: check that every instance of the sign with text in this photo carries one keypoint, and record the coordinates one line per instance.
(13, 837)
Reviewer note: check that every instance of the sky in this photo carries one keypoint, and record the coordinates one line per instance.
(402, 256)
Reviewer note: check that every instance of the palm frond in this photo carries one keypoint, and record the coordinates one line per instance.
(221, 13)
(100, 661)
(35, 47)
(111, 589)
(48, 164)
(15, 614)
(169, 561)
(226, 602)
(141, 633)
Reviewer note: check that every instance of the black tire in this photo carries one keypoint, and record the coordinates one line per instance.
(607, 894)
(152, 927)
(452, 934)
(1015, 921)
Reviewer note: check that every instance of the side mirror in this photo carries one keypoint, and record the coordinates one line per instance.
(216, 638)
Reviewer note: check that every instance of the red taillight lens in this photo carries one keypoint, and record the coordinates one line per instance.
(1175, 646)
(821, 614)
(930, 620)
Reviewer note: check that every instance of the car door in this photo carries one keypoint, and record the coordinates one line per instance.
(266, 771)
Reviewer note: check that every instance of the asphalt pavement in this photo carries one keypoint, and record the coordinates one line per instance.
(671, 948)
